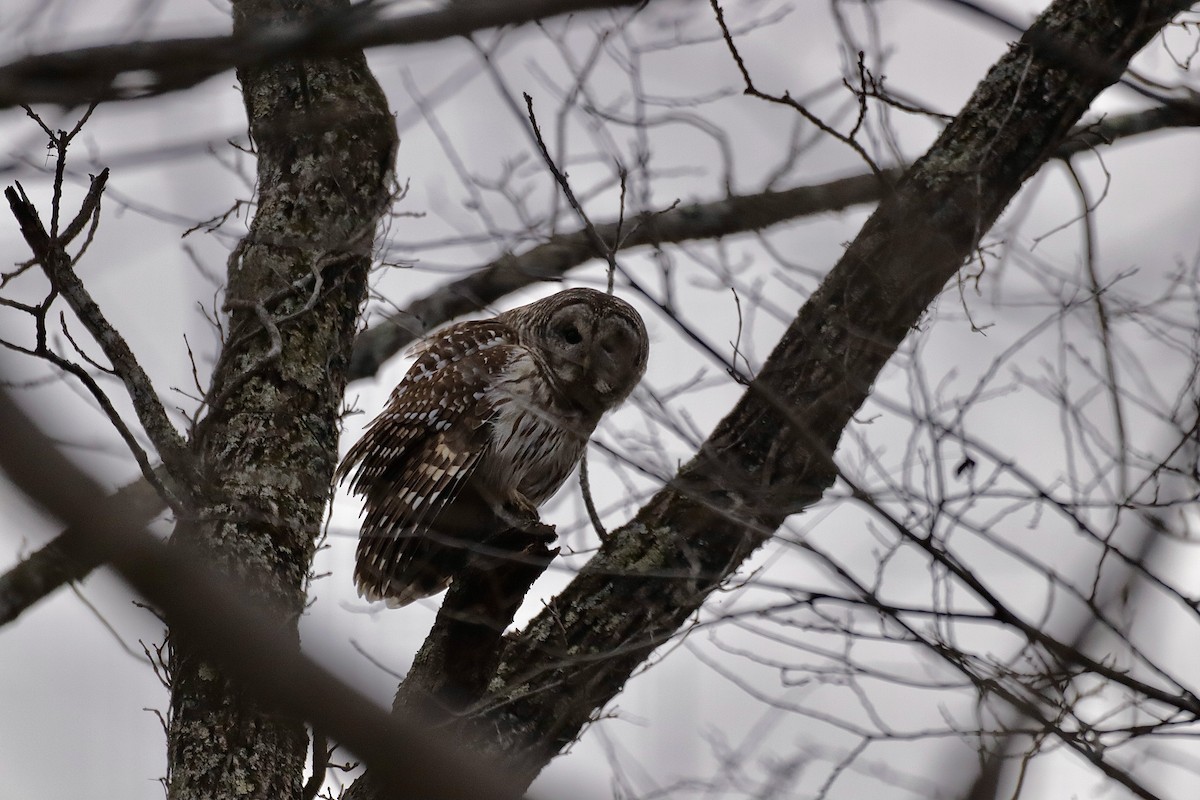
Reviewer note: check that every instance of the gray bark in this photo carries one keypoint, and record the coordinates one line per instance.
(267, 447)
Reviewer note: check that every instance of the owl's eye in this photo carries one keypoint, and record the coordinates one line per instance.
(571, 334)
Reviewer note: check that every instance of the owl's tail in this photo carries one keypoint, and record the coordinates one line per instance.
(405, 565)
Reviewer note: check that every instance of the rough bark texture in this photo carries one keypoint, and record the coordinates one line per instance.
(268, 445)
(770, 456)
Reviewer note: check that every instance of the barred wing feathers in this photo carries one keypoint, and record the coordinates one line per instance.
(416, 456)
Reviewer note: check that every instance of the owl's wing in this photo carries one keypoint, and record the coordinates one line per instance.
(443, 388)
(417, 455)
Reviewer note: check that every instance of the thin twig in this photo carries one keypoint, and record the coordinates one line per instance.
(786, 99)
(585, 487)
(610, 255)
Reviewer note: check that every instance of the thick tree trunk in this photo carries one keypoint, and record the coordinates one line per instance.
(267, 448)
(771, 456)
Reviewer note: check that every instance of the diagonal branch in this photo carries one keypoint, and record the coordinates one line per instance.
(207, 606)
(60, 561)
(730, 216)
(761, 464)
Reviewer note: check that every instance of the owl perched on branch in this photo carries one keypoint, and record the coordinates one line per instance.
(486, 426)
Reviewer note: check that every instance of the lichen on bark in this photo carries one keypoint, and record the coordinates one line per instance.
(267, 445)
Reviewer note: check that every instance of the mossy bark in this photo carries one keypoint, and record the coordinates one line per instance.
(267, 446)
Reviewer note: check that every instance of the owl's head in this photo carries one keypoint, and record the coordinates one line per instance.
(594, 346)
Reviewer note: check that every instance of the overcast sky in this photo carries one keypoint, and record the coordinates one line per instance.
(77, 698)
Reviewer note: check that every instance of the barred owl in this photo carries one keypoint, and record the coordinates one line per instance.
(488, 423)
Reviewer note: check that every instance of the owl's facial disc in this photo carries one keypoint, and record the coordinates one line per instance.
(595, 355)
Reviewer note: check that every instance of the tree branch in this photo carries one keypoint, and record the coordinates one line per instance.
(450, 673)
(145, 69)
(60, 562)
(727, 217)
(203, 604)
(461, 652)
(51, 253)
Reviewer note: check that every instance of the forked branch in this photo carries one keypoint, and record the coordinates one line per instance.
(51, 253)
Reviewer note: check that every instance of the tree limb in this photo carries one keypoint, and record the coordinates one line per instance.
(60, 562)
(51, 253)
(727, 217)
(215, 612)
(145, 69)
(459, 656)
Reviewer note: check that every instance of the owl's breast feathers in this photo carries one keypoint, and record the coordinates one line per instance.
(535, 441)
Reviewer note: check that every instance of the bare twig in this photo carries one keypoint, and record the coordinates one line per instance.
(609, 251)
(787, 100)
(602, 247)
(585, 486)
(52, 255)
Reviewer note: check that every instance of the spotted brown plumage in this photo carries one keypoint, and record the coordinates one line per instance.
(488, 423)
